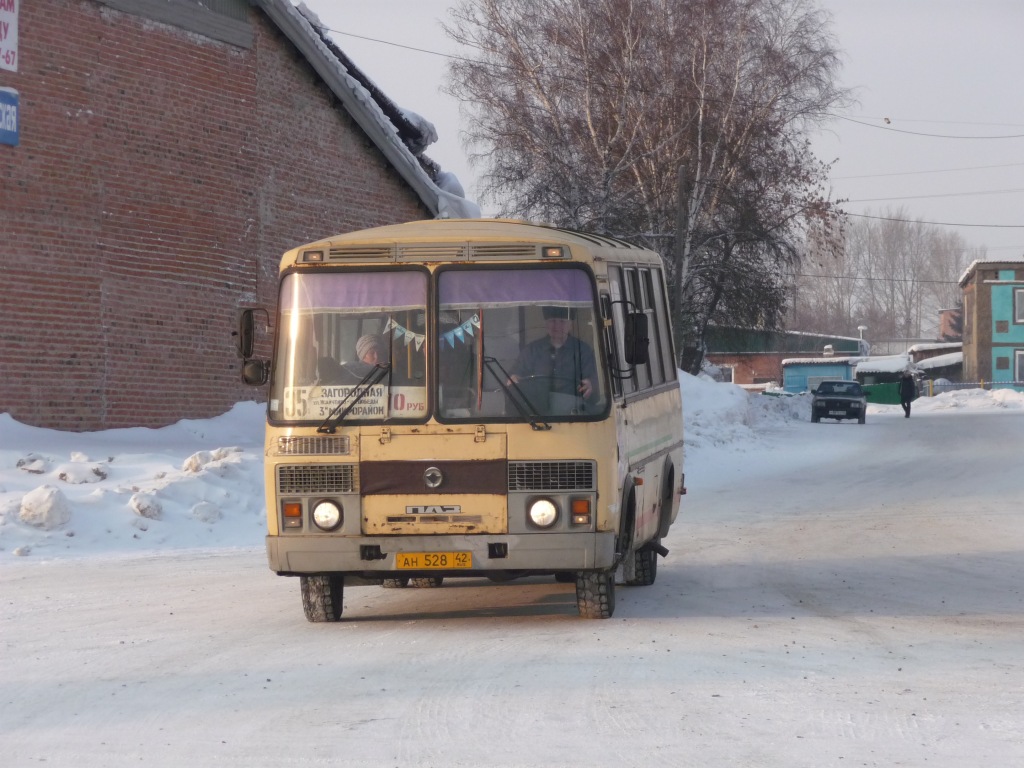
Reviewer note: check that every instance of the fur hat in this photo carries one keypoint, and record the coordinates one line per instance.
(365, 344)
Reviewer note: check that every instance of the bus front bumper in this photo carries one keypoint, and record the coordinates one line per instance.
(378, 556)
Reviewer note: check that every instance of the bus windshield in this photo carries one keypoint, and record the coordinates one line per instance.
(345, 332)
(518, 344)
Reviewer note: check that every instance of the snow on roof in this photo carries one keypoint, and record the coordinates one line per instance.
(400, 135)
(941, 361)
(885, 364)
(819, 360)
(936, 345)
(978, 262)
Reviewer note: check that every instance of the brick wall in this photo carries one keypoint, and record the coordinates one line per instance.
(159, 177)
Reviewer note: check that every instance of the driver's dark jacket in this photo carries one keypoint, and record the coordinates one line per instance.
(567, 365)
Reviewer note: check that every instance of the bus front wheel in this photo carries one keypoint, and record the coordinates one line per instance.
(595, 594)
(322, 597)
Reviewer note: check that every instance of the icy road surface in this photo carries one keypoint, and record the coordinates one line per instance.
(837, 595)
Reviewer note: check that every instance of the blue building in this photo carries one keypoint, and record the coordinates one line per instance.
(993, 323)
(803, 374)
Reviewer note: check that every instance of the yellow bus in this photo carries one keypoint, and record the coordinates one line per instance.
(469, 398)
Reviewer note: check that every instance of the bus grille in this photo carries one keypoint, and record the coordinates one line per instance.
(551, 476)
(316, 478)
(313, 446)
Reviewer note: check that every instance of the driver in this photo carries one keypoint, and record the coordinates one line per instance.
(561, 356)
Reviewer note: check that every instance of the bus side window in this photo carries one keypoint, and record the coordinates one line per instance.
(664, 323)
(656, 368)
(625, 375)
(611, 344)
(635, 294)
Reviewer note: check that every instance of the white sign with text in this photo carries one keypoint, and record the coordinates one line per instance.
(9, 35)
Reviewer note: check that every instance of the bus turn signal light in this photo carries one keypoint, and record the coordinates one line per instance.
(581, 511)
(292, 514)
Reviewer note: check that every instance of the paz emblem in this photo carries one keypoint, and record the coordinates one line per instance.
(432, 477)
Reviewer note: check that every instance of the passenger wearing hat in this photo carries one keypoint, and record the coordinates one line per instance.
(561, 356)
(368, 354)
(368, 349)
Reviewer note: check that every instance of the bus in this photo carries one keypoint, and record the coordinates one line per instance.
(478, 398)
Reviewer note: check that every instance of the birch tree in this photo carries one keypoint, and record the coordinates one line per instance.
(678, 124)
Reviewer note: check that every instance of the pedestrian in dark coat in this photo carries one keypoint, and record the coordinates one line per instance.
(908, 391)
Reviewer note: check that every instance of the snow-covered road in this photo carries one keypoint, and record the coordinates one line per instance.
(836, 595)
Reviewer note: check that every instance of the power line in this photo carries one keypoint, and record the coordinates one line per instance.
(400, 45)
(929, 135)
(876, 279)
(943, 194)
(919, 173)
(935, 223)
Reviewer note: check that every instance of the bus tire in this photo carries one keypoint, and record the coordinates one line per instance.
(402, 581)
(595, 594)
(640, 568)
(322, 597)
(427, 582)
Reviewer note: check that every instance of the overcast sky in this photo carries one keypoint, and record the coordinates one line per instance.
(947, 75)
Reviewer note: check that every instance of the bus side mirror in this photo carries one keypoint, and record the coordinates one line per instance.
(255, 373)
(246, 333)
(637, 339)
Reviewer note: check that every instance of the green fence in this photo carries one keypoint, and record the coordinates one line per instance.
(888, 393)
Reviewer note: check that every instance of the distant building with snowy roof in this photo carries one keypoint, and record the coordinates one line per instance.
(993, 322)
(753, 357)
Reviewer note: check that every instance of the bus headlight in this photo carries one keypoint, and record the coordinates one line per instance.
(543, 513)
(327, 515)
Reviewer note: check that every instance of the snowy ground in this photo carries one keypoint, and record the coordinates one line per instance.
(835, 595)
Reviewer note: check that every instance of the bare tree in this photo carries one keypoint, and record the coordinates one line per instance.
(896, 274)
(677, 123)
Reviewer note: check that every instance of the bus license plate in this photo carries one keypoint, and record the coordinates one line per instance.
(424, 561)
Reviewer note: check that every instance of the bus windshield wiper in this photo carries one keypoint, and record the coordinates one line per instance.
(357, 393)
(526, 409)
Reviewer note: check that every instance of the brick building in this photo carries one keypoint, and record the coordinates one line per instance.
(167, 153)
(753, 357)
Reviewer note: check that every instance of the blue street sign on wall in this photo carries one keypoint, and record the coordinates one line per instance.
(8, 116)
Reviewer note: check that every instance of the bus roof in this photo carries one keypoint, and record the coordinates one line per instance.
(453, 239)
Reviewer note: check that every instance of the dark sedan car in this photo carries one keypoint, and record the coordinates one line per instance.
(839, 399)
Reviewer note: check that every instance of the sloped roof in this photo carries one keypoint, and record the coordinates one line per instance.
(1010, 262)
(399, 137)
(942, 361)
(936, 345)
(885, 364)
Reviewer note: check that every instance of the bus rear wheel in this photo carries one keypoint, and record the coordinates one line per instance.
(395, 583)
(595, 594)
(322, 597)
(640, 568)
